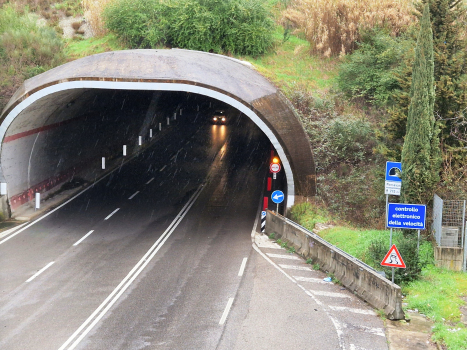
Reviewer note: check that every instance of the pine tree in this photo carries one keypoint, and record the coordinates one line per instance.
(450, 75)
(421, 156)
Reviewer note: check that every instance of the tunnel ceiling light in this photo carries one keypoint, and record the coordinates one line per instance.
(275, 160)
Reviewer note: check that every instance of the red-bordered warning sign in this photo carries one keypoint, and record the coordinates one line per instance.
(393, 258)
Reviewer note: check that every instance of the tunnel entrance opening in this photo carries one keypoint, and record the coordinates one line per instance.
(65, 145)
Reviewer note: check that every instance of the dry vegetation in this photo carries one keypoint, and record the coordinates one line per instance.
(93, 13)
(333, 26)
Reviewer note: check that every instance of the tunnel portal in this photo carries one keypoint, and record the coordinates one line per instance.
(50, 112)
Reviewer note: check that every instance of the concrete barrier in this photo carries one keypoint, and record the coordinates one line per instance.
(355, 275)
(449, 257)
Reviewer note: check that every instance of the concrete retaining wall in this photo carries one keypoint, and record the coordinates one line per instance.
(449, 257)
(353, 274)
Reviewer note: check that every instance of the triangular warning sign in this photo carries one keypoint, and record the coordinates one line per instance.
(393, 258)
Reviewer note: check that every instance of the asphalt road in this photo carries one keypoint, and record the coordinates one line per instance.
(159, 255)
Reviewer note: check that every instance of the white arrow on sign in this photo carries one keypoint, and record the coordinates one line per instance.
(276, 197)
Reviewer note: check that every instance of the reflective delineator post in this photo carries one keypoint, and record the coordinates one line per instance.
(150, 132)
(3, 188)
(168, 121)
(103, 162)
(160, 126)
(175, 116)
(38, 200)
(124, 150)
(140, 140)
(181, 110)
(263, 221)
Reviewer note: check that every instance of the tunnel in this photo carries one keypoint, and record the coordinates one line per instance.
(54, 127)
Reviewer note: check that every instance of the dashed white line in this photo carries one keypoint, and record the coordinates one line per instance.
(162, 169)
(349, 309)
(147, 183)
(83, 238)
(226, 311)
(293, 267)
(133, 195)
(282, 256)
(112, 213)
(40, 271)
(242, 267)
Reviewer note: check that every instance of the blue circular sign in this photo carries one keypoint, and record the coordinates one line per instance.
(277, 196)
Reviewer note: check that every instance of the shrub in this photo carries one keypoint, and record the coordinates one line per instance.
(370, 71)
(25, 50)
(332, 27)
(236, 26)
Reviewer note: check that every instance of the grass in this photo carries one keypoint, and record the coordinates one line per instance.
(291, 66)
(438, 295)
(78, 48)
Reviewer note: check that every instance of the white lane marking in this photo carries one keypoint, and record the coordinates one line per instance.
(128, 280)
(309, 279)
(112, 213)
(11, 230)
(349, 309)
(68, 201)
(173, 157)
(40, 271)
(330, 294)
(226, 311)
(147, 183)
(162, 169)
(293, 267)
(282, 256)
(355, 347)
(133, 195)
(83, 238)
(242, 267)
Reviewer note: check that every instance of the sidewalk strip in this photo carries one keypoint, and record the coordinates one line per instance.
(40, 271)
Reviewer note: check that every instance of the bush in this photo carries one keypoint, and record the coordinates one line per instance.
(341, 140)
(236, 26)
(370, 71)
(26, 49)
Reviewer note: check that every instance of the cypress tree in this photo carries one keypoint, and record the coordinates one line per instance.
(450, 75)
(421, 156)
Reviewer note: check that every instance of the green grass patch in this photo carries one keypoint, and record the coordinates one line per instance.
(78, 48)
(437, 294)
(290, 65)
(307, 215)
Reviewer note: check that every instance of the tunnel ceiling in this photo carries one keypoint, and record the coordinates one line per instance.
(42, 100)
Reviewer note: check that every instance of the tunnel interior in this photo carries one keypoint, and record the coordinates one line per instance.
(60, 141)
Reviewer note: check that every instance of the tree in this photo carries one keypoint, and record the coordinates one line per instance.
(450, 74)
(421, 155)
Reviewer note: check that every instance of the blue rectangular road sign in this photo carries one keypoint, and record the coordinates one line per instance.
(409, 216)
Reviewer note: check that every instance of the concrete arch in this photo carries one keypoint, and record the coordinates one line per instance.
(215, 76)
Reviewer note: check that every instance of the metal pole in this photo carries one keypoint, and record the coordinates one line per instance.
(418, 242)
(464, 230)
(277, 210)
(390, 239)
(392, 275)
(387, 198)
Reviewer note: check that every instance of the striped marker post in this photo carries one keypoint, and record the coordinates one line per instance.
(263, 221)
